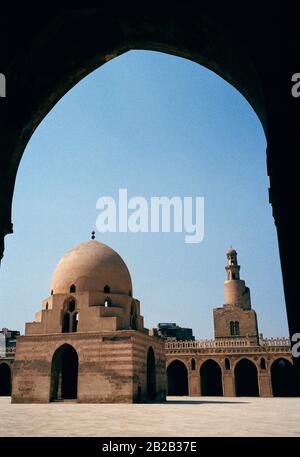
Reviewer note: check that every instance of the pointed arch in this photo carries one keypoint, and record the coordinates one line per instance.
(211, 379)
(151, 374)
(246, 379)
(64, 373)
(283, 378)
(177, 375)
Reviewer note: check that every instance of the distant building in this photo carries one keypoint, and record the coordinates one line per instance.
(239, 361)
(172, 331)
(7, 355)
(10, 337)
(88, 342)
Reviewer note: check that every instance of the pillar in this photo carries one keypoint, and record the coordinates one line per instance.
(228, 384)
(284, 189)
(264, 383)
(194, 384)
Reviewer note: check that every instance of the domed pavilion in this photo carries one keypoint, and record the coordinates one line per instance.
(88, 342)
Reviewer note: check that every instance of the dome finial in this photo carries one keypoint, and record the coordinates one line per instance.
(93, 235)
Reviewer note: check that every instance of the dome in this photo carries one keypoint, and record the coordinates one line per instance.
(231, 251)
(91, 266)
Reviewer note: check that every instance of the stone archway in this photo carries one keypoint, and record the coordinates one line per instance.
(283, 378)
(64, 374)
(151, 375)
(211, 379)
(177, 375)
(246, 379)
(5, 380)
(214, 37)
(166, 30)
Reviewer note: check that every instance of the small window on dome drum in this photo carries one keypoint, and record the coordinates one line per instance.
(72, 289)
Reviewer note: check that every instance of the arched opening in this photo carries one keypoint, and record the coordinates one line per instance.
(5, 380)
(227, 364)
(215, 49)
(70, 317)
(72, 288)
(283, 378)
(263, 363)
(234, 328)
(151, 375)
(106, 289)
(133, 320)
(64, 374)
(193, 364)
(246, 381)
(211, 379)
(177, 375)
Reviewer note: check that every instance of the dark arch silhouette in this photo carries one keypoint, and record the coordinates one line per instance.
(193, 364)
(177, 378)
(161, 32)
(283, 378)
(151, 375)
(106, 289)
(64, 374)
(211, 379)
(246, 381)
(227, 364)
(5, 380)
(72, 288)
(167, 30)
(263, 363)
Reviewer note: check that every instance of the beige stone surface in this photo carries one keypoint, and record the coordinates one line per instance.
(180, 416)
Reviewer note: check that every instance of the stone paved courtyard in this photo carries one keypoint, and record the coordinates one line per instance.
(180, 416)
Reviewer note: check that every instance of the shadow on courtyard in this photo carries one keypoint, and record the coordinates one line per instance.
(198, 402)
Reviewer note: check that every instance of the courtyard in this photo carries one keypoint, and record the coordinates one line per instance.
(179, 416)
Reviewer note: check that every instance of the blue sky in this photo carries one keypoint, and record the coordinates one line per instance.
(156, 125)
